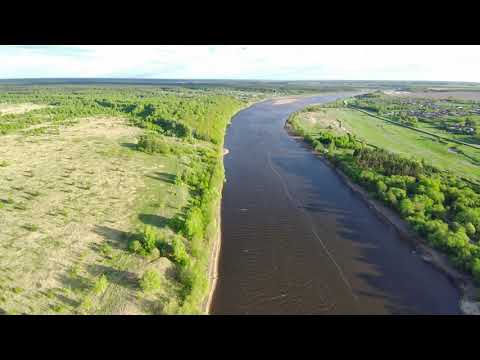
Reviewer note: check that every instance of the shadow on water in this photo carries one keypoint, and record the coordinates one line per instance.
(387, 266)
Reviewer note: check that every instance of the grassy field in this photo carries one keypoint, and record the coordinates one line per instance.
(108, 198)
(462, 160)
(69, 201)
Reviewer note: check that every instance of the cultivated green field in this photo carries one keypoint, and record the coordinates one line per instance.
(461, 160)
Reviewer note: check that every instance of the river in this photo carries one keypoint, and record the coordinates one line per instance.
(297, 240)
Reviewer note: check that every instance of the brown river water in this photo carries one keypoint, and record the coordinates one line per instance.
(297, 240)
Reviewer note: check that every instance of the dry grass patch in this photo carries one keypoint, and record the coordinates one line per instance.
(19, 108)
(324, 119)
(67, 203)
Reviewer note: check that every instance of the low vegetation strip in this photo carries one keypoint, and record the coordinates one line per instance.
(440, 207)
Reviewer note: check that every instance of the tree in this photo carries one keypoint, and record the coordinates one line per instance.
(470, 228)
(469, 122)
(406, 207)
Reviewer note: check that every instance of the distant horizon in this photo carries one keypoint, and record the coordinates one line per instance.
(428, 63)
(238, 80)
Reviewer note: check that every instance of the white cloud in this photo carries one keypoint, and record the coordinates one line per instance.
(447, 63)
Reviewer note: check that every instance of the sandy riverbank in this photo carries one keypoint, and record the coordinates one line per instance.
(464, 282)
(213, 264)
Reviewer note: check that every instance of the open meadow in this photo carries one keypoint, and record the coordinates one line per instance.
(109, 198)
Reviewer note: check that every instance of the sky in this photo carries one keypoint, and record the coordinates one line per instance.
(262, 62)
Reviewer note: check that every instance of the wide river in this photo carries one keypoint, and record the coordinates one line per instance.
(297, 240)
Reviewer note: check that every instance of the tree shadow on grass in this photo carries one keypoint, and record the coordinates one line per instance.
(68, 301)
(126, 279)
(114, 237)
(155, 307)
(154, 220)
(166, 177)
(130, 146)
(75, 282)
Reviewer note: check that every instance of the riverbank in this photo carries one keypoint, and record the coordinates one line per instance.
(213, 264)
(217, 240)
(462, 281)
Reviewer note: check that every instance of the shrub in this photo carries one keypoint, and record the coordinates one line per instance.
(151, 143)
(406, 207)
(106, 249)
(470, 228)
(100, 285)
(164, 246)
(154, 254)
(17, 290)
(135, 246)
(148, 238)
(194, 223)
(150, 281)
(179, 252)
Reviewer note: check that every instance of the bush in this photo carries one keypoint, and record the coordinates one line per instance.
(135, 246)
(470, 228)
(145, 242)
(194, 223)
(100, 285)
(150, 281)
(154, 254)
(151, 143)
(179, 252)
(148, 238)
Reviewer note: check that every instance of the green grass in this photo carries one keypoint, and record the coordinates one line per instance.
(404, 141)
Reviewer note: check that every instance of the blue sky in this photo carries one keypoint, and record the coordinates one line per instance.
(279, 62)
